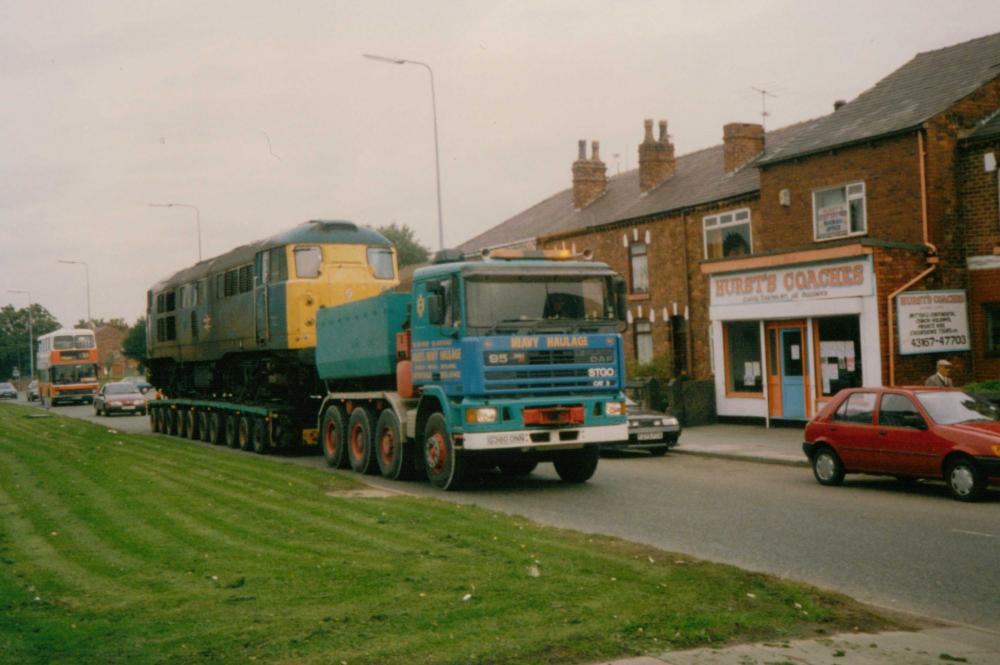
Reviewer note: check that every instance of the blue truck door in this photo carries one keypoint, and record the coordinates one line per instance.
(793, 401)
(260, 299)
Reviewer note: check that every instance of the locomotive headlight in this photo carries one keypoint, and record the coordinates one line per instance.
(615, 409)
(483, 414)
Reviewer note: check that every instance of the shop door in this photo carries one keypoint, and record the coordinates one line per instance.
(793, 399)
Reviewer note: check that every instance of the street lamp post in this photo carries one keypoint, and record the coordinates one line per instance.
(31, 332)
(197, 217)
(437, 156)
(86, 269)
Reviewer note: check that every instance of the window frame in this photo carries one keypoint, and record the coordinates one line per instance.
(848, 197)
(718, 224)
(631, 266)
(727, 362)
(647, 333)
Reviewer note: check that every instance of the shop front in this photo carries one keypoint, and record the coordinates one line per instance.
(788, 333)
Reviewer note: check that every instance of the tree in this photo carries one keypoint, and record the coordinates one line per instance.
(14, 336)
(409, 251)
(134, 345)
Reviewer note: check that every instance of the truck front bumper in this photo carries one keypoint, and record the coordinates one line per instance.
(545, 438)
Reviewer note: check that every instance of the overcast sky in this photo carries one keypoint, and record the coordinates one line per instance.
(265, 114)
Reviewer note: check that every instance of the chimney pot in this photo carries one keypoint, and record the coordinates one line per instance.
(648, 124)
(656, 158)
(589, 176)
(595, 151)
(663, 131)
(582, 150)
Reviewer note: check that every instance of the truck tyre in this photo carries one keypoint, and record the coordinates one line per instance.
(244, 433)
(577, 466)
(232, 431)
(333, 436)
(360, 446)
(216, 430)
(394, 456)
(173, 418)
(519, 465)
(182, 423)
(203, 432)
(258, 436)
(161, 420)
(445, 467)
(191, 418)
(154, 426)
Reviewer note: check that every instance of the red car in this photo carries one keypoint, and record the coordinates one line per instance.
(909, 432)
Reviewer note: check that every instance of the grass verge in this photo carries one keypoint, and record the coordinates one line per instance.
(118, 548)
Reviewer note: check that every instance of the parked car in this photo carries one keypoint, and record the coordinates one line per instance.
(121, 397)
(33, 395)
(652, 430)
(8, 391)
(917, 432)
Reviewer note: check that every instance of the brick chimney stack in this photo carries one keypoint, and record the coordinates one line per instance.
(742, 141)
(656, 157)
(589, 175)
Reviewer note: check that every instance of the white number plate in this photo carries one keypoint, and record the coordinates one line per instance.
(649, 436)
(128, 408)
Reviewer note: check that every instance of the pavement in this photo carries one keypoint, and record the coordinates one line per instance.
(938, 644)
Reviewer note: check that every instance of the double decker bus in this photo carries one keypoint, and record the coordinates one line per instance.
(67, 366)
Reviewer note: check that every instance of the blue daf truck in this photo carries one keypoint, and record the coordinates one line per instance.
(503, 362)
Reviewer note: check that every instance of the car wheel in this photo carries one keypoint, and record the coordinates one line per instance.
(827, 467)
(965, 480)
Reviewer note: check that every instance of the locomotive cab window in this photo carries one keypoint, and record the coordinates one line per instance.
(380, 260)
(307, 262)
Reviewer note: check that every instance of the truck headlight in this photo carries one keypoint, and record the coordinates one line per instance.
(483, 414)
(615, 408)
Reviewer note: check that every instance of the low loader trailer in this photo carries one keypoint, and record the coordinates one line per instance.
(504, 363)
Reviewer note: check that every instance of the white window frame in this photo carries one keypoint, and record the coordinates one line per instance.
(713, 222)
(648, 332)
(848, 197)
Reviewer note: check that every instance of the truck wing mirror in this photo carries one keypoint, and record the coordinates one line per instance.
(621, 302)
(435, 309)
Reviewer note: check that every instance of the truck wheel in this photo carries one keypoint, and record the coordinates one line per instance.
(191, 422)
(216, 430)
(203, 431)
(173, 418)
(360, 447)
(154, 425)
(258, 436)
(519, 465)
(577, 466)
(161, 420)
(182, 423)
(232, 431)
(395, 458)
(243, 433)
(445, 468)
(334, 437)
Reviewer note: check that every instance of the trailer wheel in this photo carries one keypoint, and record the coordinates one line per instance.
(577, 466)
(191, 422)
(258, 436)
(395, 458)
(334, 437)
(154, 425)
(203, 432)
(182, 423)
(445, 467)
(360, 448)
(244, 433)
(232, 431)
(216, 430)
(173, 421)
(161, 420)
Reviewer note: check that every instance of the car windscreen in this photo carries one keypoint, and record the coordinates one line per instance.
(950, 407)
(6, 386)
(119, 389)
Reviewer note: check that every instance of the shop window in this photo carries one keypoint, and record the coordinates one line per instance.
(678, 342)
(742, 349)
(839, 354)
(643, 331)
(727, 234)
(839, 212)
(857, 408)
(640, 267)
(992, 315)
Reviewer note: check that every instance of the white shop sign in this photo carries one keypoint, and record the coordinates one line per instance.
(932, 321)
(813, 281)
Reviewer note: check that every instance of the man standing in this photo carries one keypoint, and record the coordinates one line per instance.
(942, 377)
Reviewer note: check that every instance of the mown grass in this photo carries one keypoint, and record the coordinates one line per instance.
(118, 548)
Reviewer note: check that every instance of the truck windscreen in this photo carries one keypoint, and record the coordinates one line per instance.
(495, 301)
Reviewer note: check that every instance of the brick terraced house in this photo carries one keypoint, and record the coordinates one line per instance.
(854, 249)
